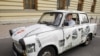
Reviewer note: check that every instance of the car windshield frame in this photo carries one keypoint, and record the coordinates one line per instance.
(54, 22)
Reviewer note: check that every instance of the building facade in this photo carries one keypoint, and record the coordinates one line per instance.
(19, 10)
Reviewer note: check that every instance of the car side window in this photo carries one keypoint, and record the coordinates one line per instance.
(84, 19)
(70, 17)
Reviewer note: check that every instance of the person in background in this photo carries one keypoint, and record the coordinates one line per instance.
(69, 20)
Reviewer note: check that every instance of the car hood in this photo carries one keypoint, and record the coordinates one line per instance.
(22, 32)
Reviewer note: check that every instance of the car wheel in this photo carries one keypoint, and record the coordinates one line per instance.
(48, 51)
(87, 42)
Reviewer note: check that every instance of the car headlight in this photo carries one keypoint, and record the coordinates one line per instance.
(30, 48)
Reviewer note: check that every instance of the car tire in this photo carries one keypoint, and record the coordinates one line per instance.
(47, 51)
(87, 42)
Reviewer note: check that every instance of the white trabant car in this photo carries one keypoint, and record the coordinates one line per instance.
(51, 35)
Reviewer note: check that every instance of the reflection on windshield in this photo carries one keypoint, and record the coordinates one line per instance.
(51, 18)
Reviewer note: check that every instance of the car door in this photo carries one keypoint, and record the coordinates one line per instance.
(85, 29)
(71, 34)
(76, 33)
(82, 29)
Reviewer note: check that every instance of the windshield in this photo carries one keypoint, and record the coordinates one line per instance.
(51, 18)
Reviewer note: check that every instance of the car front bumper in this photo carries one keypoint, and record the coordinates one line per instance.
(17, 53)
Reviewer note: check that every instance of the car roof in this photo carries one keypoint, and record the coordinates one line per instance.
(67, 11)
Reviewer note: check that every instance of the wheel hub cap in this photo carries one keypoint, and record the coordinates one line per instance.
(47, 53)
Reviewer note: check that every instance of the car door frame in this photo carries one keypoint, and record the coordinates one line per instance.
(68, 43)
(76, 41)
(84, 32)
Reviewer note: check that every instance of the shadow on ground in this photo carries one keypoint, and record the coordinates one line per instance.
(6, 47)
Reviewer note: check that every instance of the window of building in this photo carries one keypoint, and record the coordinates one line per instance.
(93, 6)
(80, 5)
(60, 4)
(67, 3)
(30, 4)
